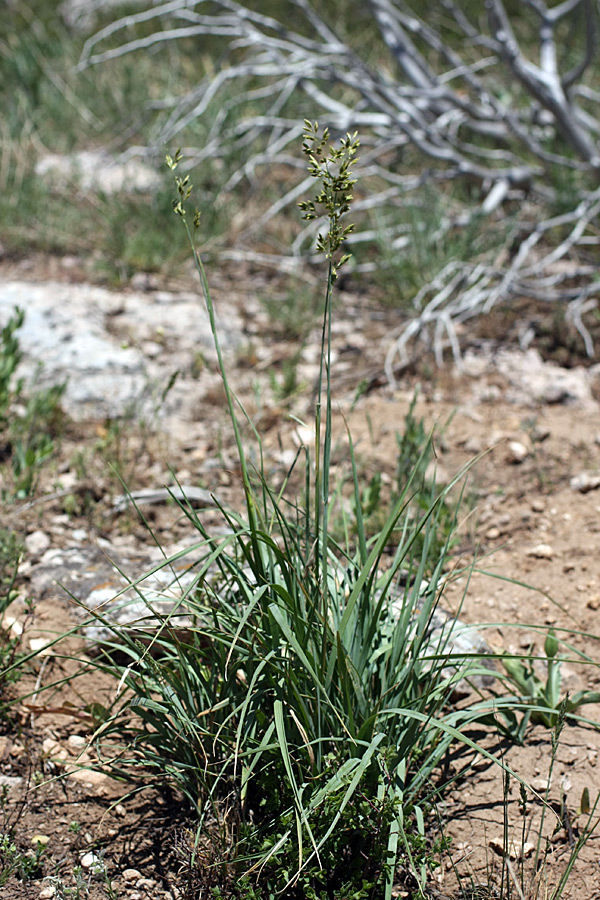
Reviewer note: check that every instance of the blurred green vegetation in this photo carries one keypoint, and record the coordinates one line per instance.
(51, 106)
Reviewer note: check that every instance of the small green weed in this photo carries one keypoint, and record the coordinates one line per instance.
(544, 696)
(11, 554)
(10, 357)
(31, 420)
(33, 437)
(26, 865)
(296, 311)
(286, 384)
(82, 886)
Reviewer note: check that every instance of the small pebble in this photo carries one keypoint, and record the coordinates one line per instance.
(41, 646)
(9, 623)
(94, 863)
(593, 602)
(47, 892)
(516, 452)
(89, 777)
(144, 281)
(538, 504)
(42, 839)
(52, 748)
(131, 875)
(37, 543)
(585, 482)
(516, 850)
(151, 349)
(473, 445)
(303, 436)
(541, 434)
(9, 781)
(541, 551)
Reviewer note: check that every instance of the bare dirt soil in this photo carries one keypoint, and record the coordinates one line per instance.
(523, 521)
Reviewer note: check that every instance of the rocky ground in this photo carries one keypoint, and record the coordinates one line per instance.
(531, 517)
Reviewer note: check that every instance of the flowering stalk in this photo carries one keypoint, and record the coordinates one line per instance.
(332, 166)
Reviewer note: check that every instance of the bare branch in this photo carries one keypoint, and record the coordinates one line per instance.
(542, 83)
(493, 109)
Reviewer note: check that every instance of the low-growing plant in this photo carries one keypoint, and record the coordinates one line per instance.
(544, 694)
(416, 463)
(11, 554)
(30, 420)
(295, 312)
(25, 865)
(34, 435)
(83, 885)
(10, 357)
(285, 385)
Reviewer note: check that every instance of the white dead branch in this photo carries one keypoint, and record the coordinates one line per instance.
(507, 104)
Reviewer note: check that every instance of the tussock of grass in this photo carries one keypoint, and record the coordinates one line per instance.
(306, 714)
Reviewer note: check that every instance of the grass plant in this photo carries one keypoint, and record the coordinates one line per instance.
(415, 463)
(432, 244)
(306, 713)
